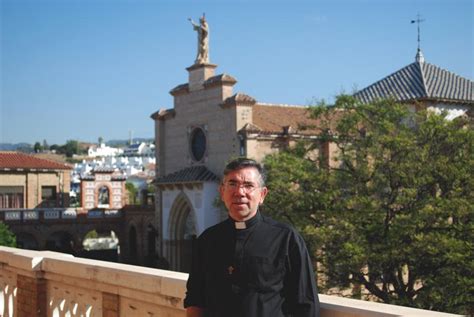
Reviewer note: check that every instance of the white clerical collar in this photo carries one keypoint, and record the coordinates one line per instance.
(240, 225)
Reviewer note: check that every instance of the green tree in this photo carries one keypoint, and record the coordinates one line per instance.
(54, 147)
(7, 238)
(37, 147)
(91, 235)
(395, 212)
(132, 193)
(70, 148)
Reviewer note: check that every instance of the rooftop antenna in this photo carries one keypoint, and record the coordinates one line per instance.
(419, 56)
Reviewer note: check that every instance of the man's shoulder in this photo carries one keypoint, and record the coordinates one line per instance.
(278, 225)
(213, 230)
(287, 230)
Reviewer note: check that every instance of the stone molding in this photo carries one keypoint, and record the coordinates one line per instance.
(238, 99)
(163, 114)
(201, 65)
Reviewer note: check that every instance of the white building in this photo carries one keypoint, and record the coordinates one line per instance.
(103, 150)
(126, 166)
(142, 149)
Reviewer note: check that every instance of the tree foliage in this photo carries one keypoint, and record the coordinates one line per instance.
(7, 238)
(37, 147)
(71, 147)
(394, 213)
(132, 193)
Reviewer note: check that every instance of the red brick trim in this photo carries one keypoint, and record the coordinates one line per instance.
(31, 296)
(110, 305)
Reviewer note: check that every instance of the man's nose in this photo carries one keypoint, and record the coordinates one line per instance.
(240, 190)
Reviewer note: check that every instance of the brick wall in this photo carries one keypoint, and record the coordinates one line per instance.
(31, 296)
(33, 181)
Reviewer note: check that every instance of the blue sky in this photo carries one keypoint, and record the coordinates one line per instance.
(80, 70)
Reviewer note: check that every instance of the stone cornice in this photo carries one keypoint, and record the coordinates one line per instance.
(203, 65)
(222, 79)
(250, 127)
(179, 90)
(163, 114)
(238, 99)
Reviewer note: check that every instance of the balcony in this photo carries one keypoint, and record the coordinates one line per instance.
(43, 283)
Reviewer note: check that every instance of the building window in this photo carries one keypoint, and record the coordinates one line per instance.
(198, 144)
(11, 197)
(242, 147)
(48, 196)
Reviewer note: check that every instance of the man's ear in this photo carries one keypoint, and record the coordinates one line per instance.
(263, 194)
(221, 190)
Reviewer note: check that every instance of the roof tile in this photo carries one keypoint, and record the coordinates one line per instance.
(17, 160)
(280, 118)
(188, 175)
(420, 81)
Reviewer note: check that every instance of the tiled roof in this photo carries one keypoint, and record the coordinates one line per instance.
(101, 169)
(250, 127)
(418, 81)
(188, 175)
(17, 160)
(114, 177)
(283, 119)
(134, 146)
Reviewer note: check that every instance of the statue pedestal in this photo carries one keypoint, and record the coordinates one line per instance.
(199, 73)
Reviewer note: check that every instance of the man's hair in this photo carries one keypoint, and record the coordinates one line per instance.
(243, 162)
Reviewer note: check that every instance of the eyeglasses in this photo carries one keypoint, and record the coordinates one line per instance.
(247, 187)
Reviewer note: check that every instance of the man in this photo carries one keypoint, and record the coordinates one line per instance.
(250, 265)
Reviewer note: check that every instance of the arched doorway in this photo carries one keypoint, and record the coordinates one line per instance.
(132, 245)
(61, 241)
(26, 240)
(182, 233)
(151, 256)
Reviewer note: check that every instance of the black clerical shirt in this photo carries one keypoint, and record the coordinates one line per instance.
(263, 270)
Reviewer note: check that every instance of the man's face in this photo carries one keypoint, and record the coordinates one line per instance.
(241, 193)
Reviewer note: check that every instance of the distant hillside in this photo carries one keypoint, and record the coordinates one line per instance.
(26, 147)
(23, 147)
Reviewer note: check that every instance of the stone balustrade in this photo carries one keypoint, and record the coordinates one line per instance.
(43, 283)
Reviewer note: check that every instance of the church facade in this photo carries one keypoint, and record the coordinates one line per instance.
(209, 125)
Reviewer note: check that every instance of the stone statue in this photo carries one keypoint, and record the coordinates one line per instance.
(203, 40)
